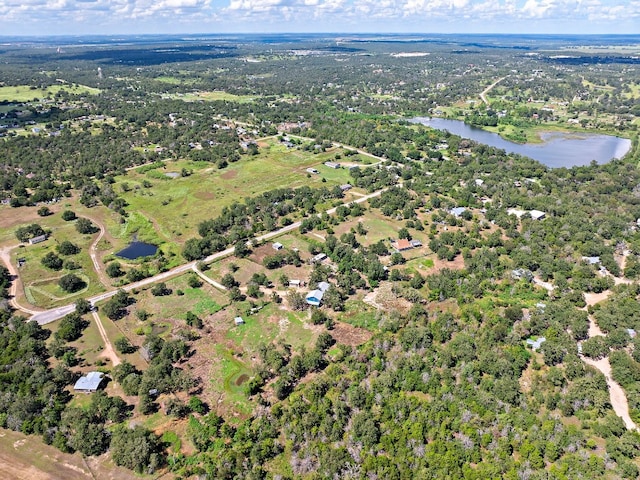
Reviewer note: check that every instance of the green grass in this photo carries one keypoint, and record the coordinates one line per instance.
(40, 283)
(360, 315)
(177, 206)
(233, 372)
(208, 96)
(25, 93)
(271, 324)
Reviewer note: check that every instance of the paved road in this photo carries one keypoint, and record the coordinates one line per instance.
(54, 314)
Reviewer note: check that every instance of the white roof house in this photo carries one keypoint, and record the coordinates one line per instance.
(89, 383)
(238, 321)
(535, 344)
(456, 212)
(537, 214)
(277, 246)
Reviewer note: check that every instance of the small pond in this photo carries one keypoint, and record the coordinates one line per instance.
(559, 149)
(136, 250)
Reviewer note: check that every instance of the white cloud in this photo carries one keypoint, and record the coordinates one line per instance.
(138, 16)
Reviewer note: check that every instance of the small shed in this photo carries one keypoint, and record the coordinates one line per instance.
(294, 283)
(319, 258)
(415, 243)
(89, 383)
(238, 321)
(592, 260)
(332, 165)
(312, 170)
(277, 246)
(38, 239)
(345, 187)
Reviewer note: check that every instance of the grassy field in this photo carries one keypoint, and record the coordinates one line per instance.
(41, 287)
(207, 96)
(25, 93)
(173, 207)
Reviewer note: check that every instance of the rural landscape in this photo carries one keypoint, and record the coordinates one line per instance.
(320, 256)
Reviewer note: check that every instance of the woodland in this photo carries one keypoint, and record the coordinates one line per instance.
(443, 382)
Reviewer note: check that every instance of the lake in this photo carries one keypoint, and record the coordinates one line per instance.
(559, 149)
(136, 250)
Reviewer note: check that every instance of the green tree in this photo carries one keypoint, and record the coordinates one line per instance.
(52, 261)
(85, 226)
(71, 283)
(68, 215)
(67, 248)
(137, 449)
(114, 270)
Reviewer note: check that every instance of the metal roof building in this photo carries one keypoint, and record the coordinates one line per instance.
(89, 383)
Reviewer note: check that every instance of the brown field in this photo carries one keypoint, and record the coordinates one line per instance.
(27, 458)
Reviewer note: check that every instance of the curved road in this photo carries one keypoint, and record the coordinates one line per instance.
(54, 314)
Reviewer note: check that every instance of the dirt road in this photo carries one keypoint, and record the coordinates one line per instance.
(108, 351)
(5, 256)
(617, 395)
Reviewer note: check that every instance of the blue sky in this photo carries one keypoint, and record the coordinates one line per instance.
(44, 17)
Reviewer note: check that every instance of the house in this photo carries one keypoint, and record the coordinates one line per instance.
(415, 243)
(277, 246)
(312, 170)
(345, 187)
(89, 383)
(456, 212)
(515, 211)
(522, 273)
(314, 297)
(332, 165)
(535, 344)
(592, 260)
(38, 239)
(537, 214)
(319, 258)
(402, 244)
(238, 321)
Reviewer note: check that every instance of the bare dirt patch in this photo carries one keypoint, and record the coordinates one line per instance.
(27, 458)
(14, 217)
(231, 174)
(205, 195)
(349, 335)
(456, 264)
(383, 298)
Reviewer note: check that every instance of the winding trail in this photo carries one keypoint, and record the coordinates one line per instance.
(616, 392)
(618, 397)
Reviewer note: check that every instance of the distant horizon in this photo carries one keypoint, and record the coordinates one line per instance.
(302, 33)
